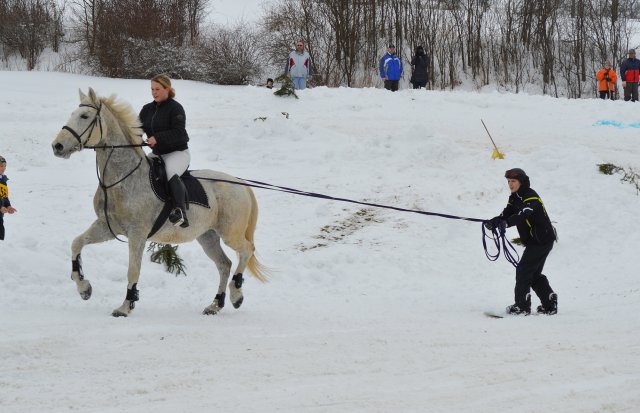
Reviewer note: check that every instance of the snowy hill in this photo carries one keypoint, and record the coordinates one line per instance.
(368, 310)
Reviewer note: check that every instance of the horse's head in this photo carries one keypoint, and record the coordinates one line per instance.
(83, 128)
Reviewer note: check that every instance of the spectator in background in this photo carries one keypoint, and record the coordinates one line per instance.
(607, 79)
(420, 69)
(391, 69)
(630, 75)
(298, 67)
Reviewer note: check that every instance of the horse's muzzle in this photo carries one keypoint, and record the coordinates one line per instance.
(60, 151)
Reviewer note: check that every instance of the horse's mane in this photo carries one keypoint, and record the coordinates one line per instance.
(126, 117)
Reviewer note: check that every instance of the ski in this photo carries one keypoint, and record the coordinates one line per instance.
(493, 315)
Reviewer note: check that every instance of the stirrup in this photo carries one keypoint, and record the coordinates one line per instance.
(176, 217)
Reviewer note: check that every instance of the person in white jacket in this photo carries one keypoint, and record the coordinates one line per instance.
(298, 66)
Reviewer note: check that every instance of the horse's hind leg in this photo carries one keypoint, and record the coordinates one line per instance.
(244, 249)
(210, 242)
(97, 232)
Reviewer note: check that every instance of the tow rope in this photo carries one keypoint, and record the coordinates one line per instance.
(264, 185)
(498, 237)
(501, 243)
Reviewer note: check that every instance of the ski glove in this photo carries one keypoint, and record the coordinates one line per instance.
(495, 223)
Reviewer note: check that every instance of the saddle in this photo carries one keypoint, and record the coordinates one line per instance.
(159, 184)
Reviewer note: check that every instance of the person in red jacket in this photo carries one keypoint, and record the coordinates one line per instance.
(630, 76)
(607, 79)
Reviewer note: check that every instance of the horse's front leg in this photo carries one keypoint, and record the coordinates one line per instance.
(97, 232)
(136, 249)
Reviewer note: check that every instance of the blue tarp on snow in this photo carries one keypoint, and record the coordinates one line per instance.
(617, 124)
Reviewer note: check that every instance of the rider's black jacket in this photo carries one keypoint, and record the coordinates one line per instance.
(166, 122)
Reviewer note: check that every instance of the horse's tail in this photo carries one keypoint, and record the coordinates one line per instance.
(255, 267)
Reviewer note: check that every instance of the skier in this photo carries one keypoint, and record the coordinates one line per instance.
(526, 211)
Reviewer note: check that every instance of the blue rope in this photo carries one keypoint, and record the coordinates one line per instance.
(500, 242)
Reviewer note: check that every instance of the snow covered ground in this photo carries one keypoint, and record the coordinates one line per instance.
(367, 311)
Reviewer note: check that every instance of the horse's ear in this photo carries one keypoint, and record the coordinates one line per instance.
(82, 95)
(92, 95)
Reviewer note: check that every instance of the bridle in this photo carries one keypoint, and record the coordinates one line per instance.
(92, 125)
(90, 128)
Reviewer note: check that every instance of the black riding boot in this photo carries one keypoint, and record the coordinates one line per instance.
(178, 215)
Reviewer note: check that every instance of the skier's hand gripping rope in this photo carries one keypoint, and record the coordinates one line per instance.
(498, 227)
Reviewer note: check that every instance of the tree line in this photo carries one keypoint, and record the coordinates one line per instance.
(553, 45)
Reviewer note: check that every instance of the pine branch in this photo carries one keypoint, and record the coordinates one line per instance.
(167, 254)
(287, 87)
(627, 175)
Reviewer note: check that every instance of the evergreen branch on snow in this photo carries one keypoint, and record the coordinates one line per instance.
(167, 254)
(287, 87)
(627, 175)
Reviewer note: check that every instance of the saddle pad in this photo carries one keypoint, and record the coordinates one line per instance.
(195, 192)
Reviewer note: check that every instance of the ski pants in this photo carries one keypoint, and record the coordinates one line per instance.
(631, 91)
(419, 84)
(529, 275)
(391, 85)
(1, 226)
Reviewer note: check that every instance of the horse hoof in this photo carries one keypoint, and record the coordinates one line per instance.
(118, 313)
(238, 302)
(210, 311)
(86, 294)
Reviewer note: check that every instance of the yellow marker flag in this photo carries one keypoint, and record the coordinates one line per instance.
(496, 153)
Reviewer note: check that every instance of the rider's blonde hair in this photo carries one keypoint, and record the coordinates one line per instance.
(165, 81)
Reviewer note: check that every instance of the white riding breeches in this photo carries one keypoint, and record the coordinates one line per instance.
(175, 163)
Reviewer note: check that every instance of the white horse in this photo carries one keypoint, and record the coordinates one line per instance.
(125, 203)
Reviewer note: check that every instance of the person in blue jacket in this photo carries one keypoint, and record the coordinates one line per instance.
(391, 69)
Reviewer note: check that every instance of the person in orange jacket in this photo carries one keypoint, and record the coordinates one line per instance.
(608, 79)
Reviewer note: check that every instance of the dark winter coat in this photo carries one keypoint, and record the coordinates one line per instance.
(166, 122)
(526, 211)
(420, 63)
(630, 70)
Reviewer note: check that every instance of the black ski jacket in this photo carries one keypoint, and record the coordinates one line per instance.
(166, 121)
(526, 211)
